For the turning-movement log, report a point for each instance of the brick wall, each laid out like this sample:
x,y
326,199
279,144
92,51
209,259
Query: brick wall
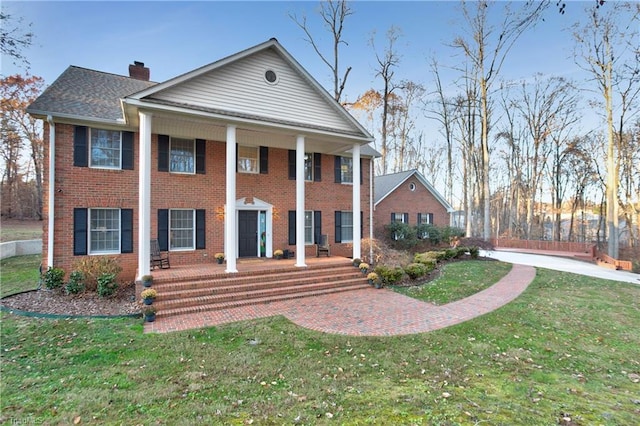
x,y
403,200
90,188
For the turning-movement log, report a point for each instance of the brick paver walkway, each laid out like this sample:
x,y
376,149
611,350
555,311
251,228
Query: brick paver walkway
x,y
367,312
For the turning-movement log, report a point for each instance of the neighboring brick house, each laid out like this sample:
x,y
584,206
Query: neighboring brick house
x,y
409,198
243,156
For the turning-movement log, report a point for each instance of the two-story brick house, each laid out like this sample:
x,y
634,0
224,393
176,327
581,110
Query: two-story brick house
x,y
244,156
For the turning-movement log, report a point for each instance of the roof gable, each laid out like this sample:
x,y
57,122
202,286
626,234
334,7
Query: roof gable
x,y
237,86
386,184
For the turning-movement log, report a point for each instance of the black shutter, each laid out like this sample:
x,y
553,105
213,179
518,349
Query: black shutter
x,y
80,147
317,225
419,219
317,166
361,224
430,218
264,160
201,155
237,150
336,169
406,218
127,151
200,229
163,153
292,227
292,164
393,217
80,231
163,229
338,220
126,231
361,172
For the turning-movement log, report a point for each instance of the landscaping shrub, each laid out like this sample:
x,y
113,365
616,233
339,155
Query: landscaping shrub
x,y
426,259
75,285
93,267
416,270
389,275
107,285
402,235
53,278
429,232
474,252
447,233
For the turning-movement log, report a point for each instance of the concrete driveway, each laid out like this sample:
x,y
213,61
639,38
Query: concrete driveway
x,y
562,264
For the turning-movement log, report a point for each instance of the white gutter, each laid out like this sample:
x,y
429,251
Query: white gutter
x,y
371,210
52,190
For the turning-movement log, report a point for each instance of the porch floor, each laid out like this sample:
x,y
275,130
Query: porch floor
x,y
244,265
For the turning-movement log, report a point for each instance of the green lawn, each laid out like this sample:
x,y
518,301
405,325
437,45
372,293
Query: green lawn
x,y
19,273
567,347
458,280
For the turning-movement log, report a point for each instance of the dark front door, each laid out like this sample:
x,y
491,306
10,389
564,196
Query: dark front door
x,y
247,233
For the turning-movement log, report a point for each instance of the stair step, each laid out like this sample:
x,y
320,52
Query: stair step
x,y
257,301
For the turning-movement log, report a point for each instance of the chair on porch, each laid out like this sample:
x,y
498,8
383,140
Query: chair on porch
x,y
158,258
323,246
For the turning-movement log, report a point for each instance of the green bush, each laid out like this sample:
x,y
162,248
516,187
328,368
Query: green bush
x,y
474,252
107,285
53,278
635,266
416,270
426,259
428,232
75,284
93,267
449,232
389,275
401,235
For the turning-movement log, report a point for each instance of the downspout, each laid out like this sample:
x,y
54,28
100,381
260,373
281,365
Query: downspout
x,y
52,190
371,210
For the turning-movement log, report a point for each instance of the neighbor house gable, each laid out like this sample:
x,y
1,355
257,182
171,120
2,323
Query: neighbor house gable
x,y
386,184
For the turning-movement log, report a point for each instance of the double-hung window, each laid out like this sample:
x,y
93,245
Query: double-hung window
x,y
308,227
346,227
346,170
104,231
399,217
308,166
182,229
182,154
106,148
248,159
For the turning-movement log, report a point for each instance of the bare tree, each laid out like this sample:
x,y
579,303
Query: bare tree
x,y
387,61
487,47
606,47
15,36
333,15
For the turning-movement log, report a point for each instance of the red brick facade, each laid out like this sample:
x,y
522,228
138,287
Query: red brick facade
x,y
86,187
405,200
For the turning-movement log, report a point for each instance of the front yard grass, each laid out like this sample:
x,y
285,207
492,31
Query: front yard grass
x,y
567,347
457,281
19,273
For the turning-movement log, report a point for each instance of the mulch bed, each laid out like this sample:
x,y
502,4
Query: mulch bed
x,y
88,304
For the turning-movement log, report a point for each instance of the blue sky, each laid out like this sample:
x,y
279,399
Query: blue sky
x,y
172,38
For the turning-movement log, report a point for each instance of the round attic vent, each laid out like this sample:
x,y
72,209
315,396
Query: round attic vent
x,y
270,76
412,186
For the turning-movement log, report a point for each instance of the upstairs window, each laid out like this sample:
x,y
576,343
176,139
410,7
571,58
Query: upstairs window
x,y
248,159
308,166
106,148
182,156
346,170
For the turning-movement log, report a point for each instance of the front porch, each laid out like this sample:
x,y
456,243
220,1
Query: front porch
x,y
259,281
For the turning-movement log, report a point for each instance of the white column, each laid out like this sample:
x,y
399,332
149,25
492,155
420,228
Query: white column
x,y
300,255
52,191
144,195
357,236
230,235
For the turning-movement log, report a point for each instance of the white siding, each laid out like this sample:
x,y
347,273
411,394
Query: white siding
x,y
240,87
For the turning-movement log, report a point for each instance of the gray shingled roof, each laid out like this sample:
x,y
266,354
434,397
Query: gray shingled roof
x,y
386,183
81,92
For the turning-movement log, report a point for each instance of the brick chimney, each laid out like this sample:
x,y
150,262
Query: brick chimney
x,y
138,71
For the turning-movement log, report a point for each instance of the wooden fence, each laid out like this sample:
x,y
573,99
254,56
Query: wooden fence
x,y
566,246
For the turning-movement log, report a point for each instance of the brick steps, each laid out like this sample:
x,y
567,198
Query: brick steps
x,y
224,291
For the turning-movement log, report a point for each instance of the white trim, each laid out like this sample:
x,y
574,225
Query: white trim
x,y
230,236
258,205
357,235
118,167
300,245
52,191
90,230
144,195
